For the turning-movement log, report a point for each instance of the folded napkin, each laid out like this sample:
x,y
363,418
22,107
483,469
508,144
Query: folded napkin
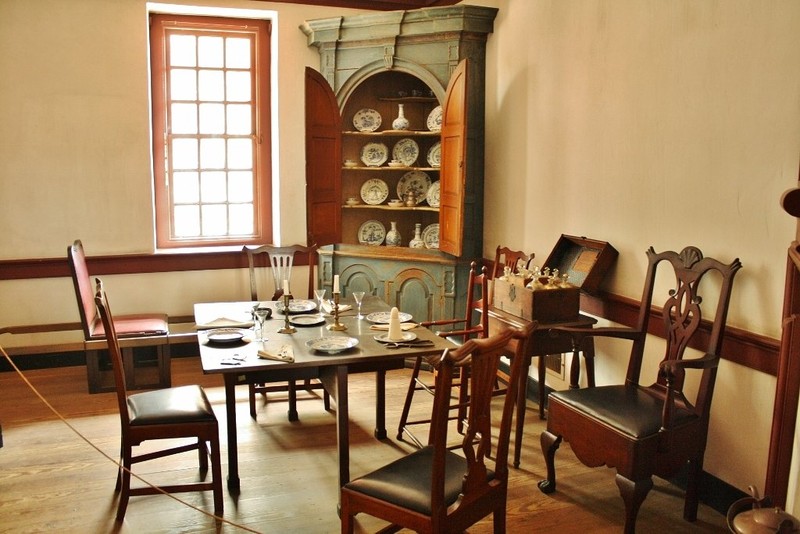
x,y
385,327
327,307
284,354
224,322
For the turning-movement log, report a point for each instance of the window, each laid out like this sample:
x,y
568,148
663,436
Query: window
x,y
211,130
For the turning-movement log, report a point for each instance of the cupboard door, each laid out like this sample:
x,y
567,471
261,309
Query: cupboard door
x,y
453,167
323,161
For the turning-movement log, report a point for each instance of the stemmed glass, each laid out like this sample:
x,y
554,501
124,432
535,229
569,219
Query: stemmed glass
x,y
319,294
358,296
262,314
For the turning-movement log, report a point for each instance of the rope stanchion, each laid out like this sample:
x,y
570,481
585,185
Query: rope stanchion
x,y
58,414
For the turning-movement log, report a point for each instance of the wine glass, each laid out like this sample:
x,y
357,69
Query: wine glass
x,y
358,296
319,294
262,314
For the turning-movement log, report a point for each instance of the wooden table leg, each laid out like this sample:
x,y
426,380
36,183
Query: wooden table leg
x,y
380,404
342,425
522,399
542,389
233,450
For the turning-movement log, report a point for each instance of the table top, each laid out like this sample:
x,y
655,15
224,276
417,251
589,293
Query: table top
x,y
518,322
219,357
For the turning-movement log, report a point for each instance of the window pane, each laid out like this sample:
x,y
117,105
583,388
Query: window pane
x,y
183,84
184,118
185,187
215,220
240,154
212,153
239,119
241,219
212,118
212,87
237,53
184,153
240,186
187,221
212,187
238,86
210,52
182,51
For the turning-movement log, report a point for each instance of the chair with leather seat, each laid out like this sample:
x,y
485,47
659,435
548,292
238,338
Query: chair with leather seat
x,y
644,430
137,330
171,413
436,488
474,324
280,261
513,259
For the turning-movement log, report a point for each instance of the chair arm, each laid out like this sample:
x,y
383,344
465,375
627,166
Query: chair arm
x,y
441,322
579,333
673,371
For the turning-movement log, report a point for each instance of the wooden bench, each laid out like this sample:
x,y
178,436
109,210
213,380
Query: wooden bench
x,y
68,337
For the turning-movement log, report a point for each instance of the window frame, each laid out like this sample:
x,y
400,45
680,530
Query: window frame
x,y
160,25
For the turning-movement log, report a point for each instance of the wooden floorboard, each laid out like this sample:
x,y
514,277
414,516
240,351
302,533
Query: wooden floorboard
x,y
51,479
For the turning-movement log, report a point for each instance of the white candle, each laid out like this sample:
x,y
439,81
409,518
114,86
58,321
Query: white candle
x,y
395,330
285,287
336,283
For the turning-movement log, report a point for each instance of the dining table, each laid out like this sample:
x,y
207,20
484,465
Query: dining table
x,y
228,347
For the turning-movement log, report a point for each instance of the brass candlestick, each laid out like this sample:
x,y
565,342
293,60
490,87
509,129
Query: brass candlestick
x,y
336,324
287,327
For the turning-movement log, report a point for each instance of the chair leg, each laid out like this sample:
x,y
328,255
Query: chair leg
x,y
216,473
693,489
633,494
202,455
252,399
326,400
412,387
293,416
499,518
125,487
550,443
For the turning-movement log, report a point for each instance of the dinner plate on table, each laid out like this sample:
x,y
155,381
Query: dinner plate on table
x,y
383,317
332,344
306,320
407,336
296,306
225,335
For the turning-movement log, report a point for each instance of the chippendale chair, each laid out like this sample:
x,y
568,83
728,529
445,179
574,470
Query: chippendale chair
x,y
457,331
436,489
513,259
171,413
645,430
280,260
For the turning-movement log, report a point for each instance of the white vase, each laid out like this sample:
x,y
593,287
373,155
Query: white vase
x,y
393,236
417,242
401,122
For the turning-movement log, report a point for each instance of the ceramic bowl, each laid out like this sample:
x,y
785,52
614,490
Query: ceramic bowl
x,y
395,203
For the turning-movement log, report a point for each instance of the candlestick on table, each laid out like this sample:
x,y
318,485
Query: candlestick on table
x,y
337,326
287,327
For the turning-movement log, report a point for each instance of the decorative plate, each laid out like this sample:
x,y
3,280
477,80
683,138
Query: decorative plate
x,y
383,317
374,154
371,233
332,344
306,320
296,306
225,335
435,119
367,120
430,236
435,154
407,336
406,151
416,181
374,191
433,194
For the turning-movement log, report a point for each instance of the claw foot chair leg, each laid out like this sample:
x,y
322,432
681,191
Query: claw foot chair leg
x,y
550,443
633,493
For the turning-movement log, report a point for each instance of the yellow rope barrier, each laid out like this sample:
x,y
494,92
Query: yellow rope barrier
x,y
112,460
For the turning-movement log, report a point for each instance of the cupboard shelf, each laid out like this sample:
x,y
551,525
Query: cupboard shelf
x,y
394,133
405,169
385,207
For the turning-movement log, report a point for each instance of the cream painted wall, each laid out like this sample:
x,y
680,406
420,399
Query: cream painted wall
x,y
637,122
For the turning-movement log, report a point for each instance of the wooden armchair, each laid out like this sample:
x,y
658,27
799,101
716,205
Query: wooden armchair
x,y
280,261
435,489
163,414
649,430
457,331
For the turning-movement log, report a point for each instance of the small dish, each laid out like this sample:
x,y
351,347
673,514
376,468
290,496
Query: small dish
x,y
374,191
374,154
306,320
383,317
395,163
396,203
296,306
430,236
350,163
367,120
332,344
407,336
225,335
434,121
372,232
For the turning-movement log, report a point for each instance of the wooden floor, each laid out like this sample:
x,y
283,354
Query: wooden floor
x,y
52,480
